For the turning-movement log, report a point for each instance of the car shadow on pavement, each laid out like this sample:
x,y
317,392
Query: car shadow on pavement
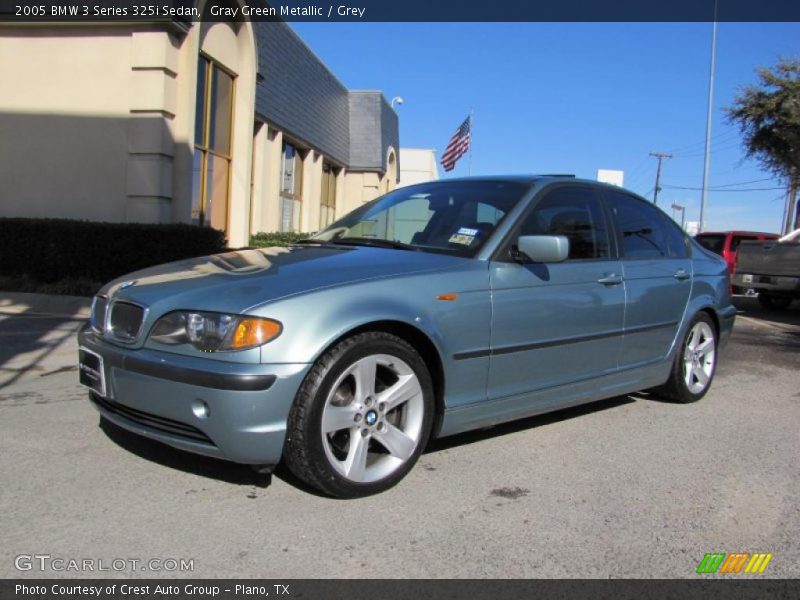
x,y
470,437
173,458
238,474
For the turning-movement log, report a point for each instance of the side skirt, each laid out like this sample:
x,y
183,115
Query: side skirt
x,y
501,410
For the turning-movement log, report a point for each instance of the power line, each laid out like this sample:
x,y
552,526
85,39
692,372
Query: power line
x,y
716,148
720,137
679,187
741,183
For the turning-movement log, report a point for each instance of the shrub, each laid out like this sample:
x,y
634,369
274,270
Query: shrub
x,y
51,251
276,238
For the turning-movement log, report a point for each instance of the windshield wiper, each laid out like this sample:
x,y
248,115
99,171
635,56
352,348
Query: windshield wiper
x,y
375,242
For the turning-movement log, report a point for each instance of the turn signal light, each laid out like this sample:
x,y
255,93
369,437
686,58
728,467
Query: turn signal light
x,y
254,332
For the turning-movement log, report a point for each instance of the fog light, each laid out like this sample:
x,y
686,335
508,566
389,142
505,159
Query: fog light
x,y
200,409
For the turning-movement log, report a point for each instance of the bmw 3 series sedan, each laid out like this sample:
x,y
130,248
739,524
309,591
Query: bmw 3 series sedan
x,y
435,309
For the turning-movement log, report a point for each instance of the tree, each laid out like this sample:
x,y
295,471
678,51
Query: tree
x,y
768,115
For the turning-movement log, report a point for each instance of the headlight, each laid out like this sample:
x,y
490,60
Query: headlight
x,y
215,332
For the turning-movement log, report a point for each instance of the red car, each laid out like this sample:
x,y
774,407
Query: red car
x,y
725,243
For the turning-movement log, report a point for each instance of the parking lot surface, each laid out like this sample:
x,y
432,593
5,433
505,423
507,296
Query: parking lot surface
x,y
628,487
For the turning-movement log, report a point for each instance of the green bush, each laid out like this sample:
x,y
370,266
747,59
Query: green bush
x,y
276,238
62,254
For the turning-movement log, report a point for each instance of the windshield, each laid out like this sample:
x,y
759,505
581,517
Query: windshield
x,y
441,216
715,243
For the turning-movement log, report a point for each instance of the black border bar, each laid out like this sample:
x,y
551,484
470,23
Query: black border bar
x,y
180,11
738,587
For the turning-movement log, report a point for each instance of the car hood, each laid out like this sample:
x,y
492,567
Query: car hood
x,y
243,279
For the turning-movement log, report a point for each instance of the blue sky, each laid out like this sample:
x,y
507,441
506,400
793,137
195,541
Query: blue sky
x,y
574,97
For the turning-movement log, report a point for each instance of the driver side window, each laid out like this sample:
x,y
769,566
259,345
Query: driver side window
x,y
575,213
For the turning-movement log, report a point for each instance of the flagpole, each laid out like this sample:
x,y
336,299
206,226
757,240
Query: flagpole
x,y
469,168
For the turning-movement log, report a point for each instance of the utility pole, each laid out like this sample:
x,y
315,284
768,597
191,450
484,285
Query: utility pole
x,y
660,156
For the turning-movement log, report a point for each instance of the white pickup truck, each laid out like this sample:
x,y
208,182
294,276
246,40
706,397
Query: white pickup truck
x,y
772,268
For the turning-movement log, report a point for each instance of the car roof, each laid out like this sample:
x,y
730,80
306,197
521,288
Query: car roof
x,y
536,177
737,232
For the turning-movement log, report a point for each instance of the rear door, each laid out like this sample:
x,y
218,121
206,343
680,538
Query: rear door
x,y
658,277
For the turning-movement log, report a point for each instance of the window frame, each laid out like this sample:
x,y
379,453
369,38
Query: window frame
x,y
328,202
296,196
687,251
203,146
503,252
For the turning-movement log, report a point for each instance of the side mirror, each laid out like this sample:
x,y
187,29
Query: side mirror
x,y
542,248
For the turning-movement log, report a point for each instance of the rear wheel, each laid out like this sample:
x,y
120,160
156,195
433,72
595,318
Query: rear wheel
x,y
695,362
773,302
362,416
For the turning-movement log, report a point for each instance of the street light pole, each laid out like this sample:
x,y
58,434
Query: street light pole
x,y
709,113
682,209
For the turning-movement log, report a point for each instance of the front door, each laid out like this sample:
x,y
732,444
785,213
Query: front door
x,y
554,324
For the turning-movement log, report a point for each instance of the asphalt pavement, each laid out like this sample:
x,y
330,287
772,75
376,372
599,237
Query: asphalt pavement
x,y
628,487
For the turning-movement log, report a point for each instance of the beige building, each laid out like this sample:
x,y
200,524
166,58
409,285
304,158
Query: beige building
x,y
235,125
418,165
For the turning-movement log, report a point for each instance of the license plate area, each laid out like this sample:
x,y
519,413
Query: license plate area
x,y
91,372
747,278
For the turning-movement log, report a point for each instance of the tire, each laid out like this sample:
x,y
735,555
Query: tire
x,y
695,362
373,388
773,302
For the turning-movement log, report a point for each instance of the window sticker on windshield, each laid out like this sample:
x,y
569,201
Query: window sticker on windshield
x,y
467,231
460,238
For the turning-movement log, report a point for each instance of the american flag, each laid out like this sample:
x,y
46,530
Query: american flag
x,y
458,145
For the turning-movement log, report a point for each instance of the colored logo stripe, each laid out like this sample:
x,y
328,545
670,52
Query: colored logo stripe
x,y
758,563
734,563
711,562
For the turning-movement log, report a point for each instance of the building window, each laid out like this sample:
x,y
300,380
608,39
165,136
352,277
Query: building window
x,y
327,211
212,135
291,188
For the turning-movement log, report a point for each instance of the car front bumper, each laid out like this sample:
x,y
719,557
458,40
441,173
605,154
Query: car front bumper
x,y
232,411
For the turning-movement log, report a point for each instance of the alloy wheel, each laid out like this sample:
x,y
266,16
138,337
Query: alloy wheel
x,y
699,357
372,419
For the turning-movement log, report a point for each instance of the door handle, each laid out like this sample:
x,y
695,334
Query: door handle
x,y
681,275
610,279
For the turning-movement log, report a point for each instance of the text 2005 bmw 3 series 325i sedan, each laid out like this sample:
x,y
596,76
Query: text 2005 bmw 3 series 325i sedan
x,y
435,309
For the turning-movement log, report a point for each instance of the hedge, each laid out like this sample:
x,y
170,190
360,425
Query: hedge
x,y
276,238
58,250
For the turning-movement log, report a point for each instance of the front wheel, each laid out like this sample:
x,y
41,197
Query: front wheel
x,y
695,362
362,416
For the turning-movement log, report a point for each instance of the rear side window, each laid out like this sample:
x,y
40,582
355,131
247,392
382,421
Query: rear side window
x,y
714,243
645,232
739,239
576,213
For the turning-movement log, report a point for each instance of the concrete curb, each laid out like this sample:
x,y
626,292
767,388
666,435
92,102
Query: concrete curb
x,y
50,305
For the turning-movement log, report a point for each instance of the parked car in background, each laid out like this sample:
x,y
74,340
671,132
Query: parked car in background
x,y
772,268
726,244
435,309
